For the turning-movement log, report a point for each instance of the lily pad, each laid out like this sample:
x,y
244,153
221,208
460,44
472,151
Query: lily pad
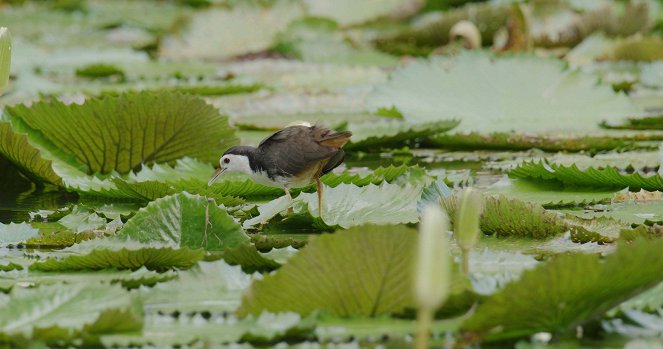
x,y
449,88
377,281
106,254
209,286
348,12
15,234
392,133
184,220
67,312
348,205
232,31
122,133
608,177
26,157
586,285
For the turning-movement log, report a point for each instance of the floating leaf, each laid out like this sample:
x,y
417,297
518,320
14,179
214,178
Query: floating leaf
x,y
166,331
16,234
505,217
80,220
67,312
376,281
448,88
26,157
516,141
122,133
249,258
105,254
184,220
348,205
392,133
608,177
339,330
348,12
567,292
550,194
209,286
127,278
221,33
315,39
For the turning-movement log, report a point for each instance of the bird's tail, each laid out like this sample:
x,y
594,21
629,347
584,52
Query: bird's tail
x,y
336,139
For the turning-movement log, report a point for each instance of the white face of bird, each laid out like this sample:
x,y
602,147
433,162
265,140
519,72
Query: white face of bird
x,y
231,163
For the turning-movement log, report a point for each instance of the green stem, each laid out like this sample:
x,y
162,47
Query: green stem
x,y
466,261
424,321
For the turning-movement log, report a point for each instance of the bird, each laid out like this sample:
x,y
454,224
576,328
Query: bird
x,y
292,157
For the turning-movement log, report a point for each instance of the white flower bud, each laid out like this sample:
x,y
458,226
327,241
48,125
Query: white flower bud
x,y
433,265
466,224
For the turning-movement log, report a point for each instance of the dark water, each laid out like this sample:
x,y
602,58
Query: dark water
x,y
19,196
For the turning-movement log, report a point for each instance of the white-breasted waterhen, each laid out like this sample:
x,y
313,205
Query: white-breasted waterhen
x,y
293,157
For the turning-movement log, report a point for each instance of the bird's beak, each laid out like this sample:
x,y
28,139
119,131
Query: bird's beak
x,y
216,175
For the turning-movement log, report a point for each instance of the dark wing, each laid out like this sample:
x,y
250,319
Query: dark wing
x,y
296,148
334,162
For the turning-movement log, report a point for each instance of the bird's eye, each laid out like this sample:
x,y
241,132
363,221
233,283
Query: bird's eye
x,y
226,160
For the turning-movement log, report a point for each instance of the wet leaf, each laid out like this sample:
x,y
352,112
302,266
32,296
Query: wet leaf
x,y
392,133
567,292
608,177
376,281
218,33
184,220
348,205
448,88
16,234
122,133
25,156
67,312
105,254
209,286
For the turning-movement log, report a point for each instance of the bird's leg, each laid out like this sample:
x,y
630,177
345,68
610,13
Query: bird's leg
x,y
287,194
318,183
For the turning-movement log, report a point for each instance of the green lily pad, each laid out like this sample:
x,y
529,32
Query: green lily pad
x,y
392,133
376,281
122,133
449,88
209,286
314,39
608,177
560,295
550,194
15,234
101,254
232,32
348,12
348,205
184,220
26,157
66,312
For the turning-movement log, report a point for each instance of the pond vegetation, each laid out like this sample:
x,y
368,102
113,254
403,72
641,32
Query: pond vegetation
x,y
502,186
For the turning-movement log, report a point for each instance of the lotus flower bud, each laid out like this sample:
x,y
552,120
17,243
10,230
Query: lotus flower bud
x,y
433,265
5,58
466,224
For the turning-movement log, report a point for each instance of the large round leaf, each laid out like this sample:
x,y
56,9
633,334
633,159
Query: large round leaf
x,y
376,280
27,159
184,220
499,94
122,133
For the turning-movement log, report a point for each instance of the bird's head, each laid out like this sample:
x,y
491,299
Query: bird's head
x,y
235,159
